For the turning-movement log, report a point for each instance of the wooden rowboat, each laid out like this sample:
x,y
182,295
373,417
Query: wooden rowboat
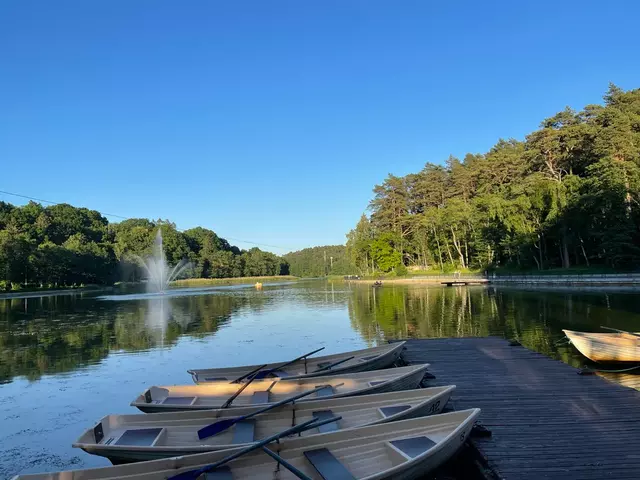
x,y
375,358
260,392
606,347
130,438
407,449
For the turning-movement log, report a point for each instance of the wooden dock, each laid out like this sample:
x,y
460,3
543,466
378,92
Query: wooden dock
x,y
462,282
546,421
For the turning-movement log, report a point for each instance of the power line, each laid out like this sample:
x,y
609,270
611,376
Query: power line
x,y
58,203
127,218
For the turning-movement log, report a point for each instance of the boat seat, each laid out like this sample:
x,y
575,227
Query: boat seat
x,y
326,415
281,374
260,397
328,466
412,447
243,432
143,437
178,400
393,410
325,392
220,473
378,382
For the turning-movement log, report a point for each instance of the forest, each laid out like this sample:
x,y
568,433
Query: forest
x,y
566,196
319,261
61,245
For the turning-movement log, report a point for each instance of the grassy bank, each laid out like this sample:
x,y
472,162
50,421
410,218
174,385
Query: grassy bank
x,y
202,282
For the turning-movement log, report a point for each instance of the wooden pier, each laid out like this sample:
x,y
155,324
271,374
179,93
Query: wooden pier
x,y
462,282
546,421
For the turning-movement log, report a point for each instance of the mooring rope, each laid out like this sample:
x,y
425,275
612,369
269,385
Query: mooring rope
x,y
611,371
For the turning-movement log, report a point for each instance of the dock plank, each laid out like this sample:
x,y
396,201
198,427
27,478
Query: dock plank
x,y
546,420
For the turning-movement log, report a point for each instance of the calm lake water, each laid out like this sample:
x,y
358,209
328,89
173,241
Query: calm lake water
x,y
66,361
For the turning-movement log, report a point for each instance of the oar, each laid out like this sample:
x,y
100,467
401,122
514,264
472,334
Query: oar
x,y
252,372
313,423
286,464
222,425
330,366
620,331
271,370
244,385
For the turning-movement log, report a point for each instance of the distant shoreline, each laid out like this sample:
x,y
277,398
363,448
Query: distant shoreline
x,y
51,292
611,279
196,282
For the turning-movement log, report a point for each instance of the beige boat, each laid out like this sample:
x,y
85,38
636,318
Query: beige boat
x,y
407,449
130,438
355,361
260,392
606,347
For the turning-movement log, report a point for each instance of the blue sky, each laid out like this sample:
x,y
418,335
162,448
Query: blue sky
x,y
271,121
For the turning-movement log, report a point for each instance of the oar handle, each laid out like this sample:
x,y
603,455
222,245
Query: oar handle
x,y
222,425
313,423
334,364
254,372
285,464
274,369
244,385
285,401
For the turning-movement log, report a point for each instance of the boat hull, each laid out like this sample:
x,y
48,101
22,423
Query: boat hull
x,y
606,347
364,383
383,357
182,427
375,452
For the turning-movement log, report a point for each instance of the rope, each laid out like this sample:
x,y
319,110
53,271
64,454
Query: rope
x,y
612,371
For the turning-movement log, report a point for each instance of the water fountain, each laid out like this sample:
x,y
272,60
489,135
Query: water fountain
x,y
160,274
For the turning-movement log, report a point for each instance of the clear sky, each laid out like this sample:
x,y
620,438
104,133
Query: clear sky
x,y
271,121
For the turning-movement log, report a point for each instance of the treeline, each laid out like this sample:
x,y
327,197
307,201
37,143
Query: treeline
x,y
318,261
62,245
568,195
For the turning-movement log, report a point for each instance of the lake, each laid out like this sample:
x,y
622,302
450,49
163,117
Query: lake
x,y
68,360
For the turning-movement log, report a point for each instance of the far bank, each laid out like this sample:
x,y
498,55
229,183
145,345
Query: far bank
x,y
200,282
573,279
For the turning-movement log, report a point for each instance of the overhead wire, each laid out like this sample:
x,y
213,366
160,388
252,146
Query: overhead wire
x,y
50,202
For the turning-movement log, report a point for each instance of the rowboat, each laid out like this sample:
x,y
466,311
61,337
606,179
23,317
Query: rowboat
x,y
355,361
260,392
407,449
606,347
130,438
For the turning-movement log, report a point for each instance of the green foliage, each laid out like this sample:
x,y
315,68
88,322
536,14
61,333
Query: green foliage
x,y
63,245
569,195
319,261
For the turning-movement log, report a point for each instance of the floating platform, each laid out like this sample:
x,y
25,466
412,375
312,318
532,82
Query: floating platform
x,y
462,282
546,421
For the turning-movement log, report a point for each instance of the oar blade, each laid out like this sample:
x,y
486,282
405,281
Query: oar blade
x,y
215,428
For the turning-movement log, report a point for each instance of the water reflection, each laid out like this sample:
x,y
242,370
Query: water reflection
x,y
58,334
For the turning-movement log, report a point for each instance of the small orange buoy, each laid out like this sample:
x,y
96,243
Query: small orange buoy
x,y
258,286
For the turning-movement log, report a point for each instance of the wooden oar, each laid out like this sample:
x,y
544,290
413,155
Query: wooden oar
x,y
252,372
285,464
313,423
244,385
620,331
330,366
222,425
264,373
